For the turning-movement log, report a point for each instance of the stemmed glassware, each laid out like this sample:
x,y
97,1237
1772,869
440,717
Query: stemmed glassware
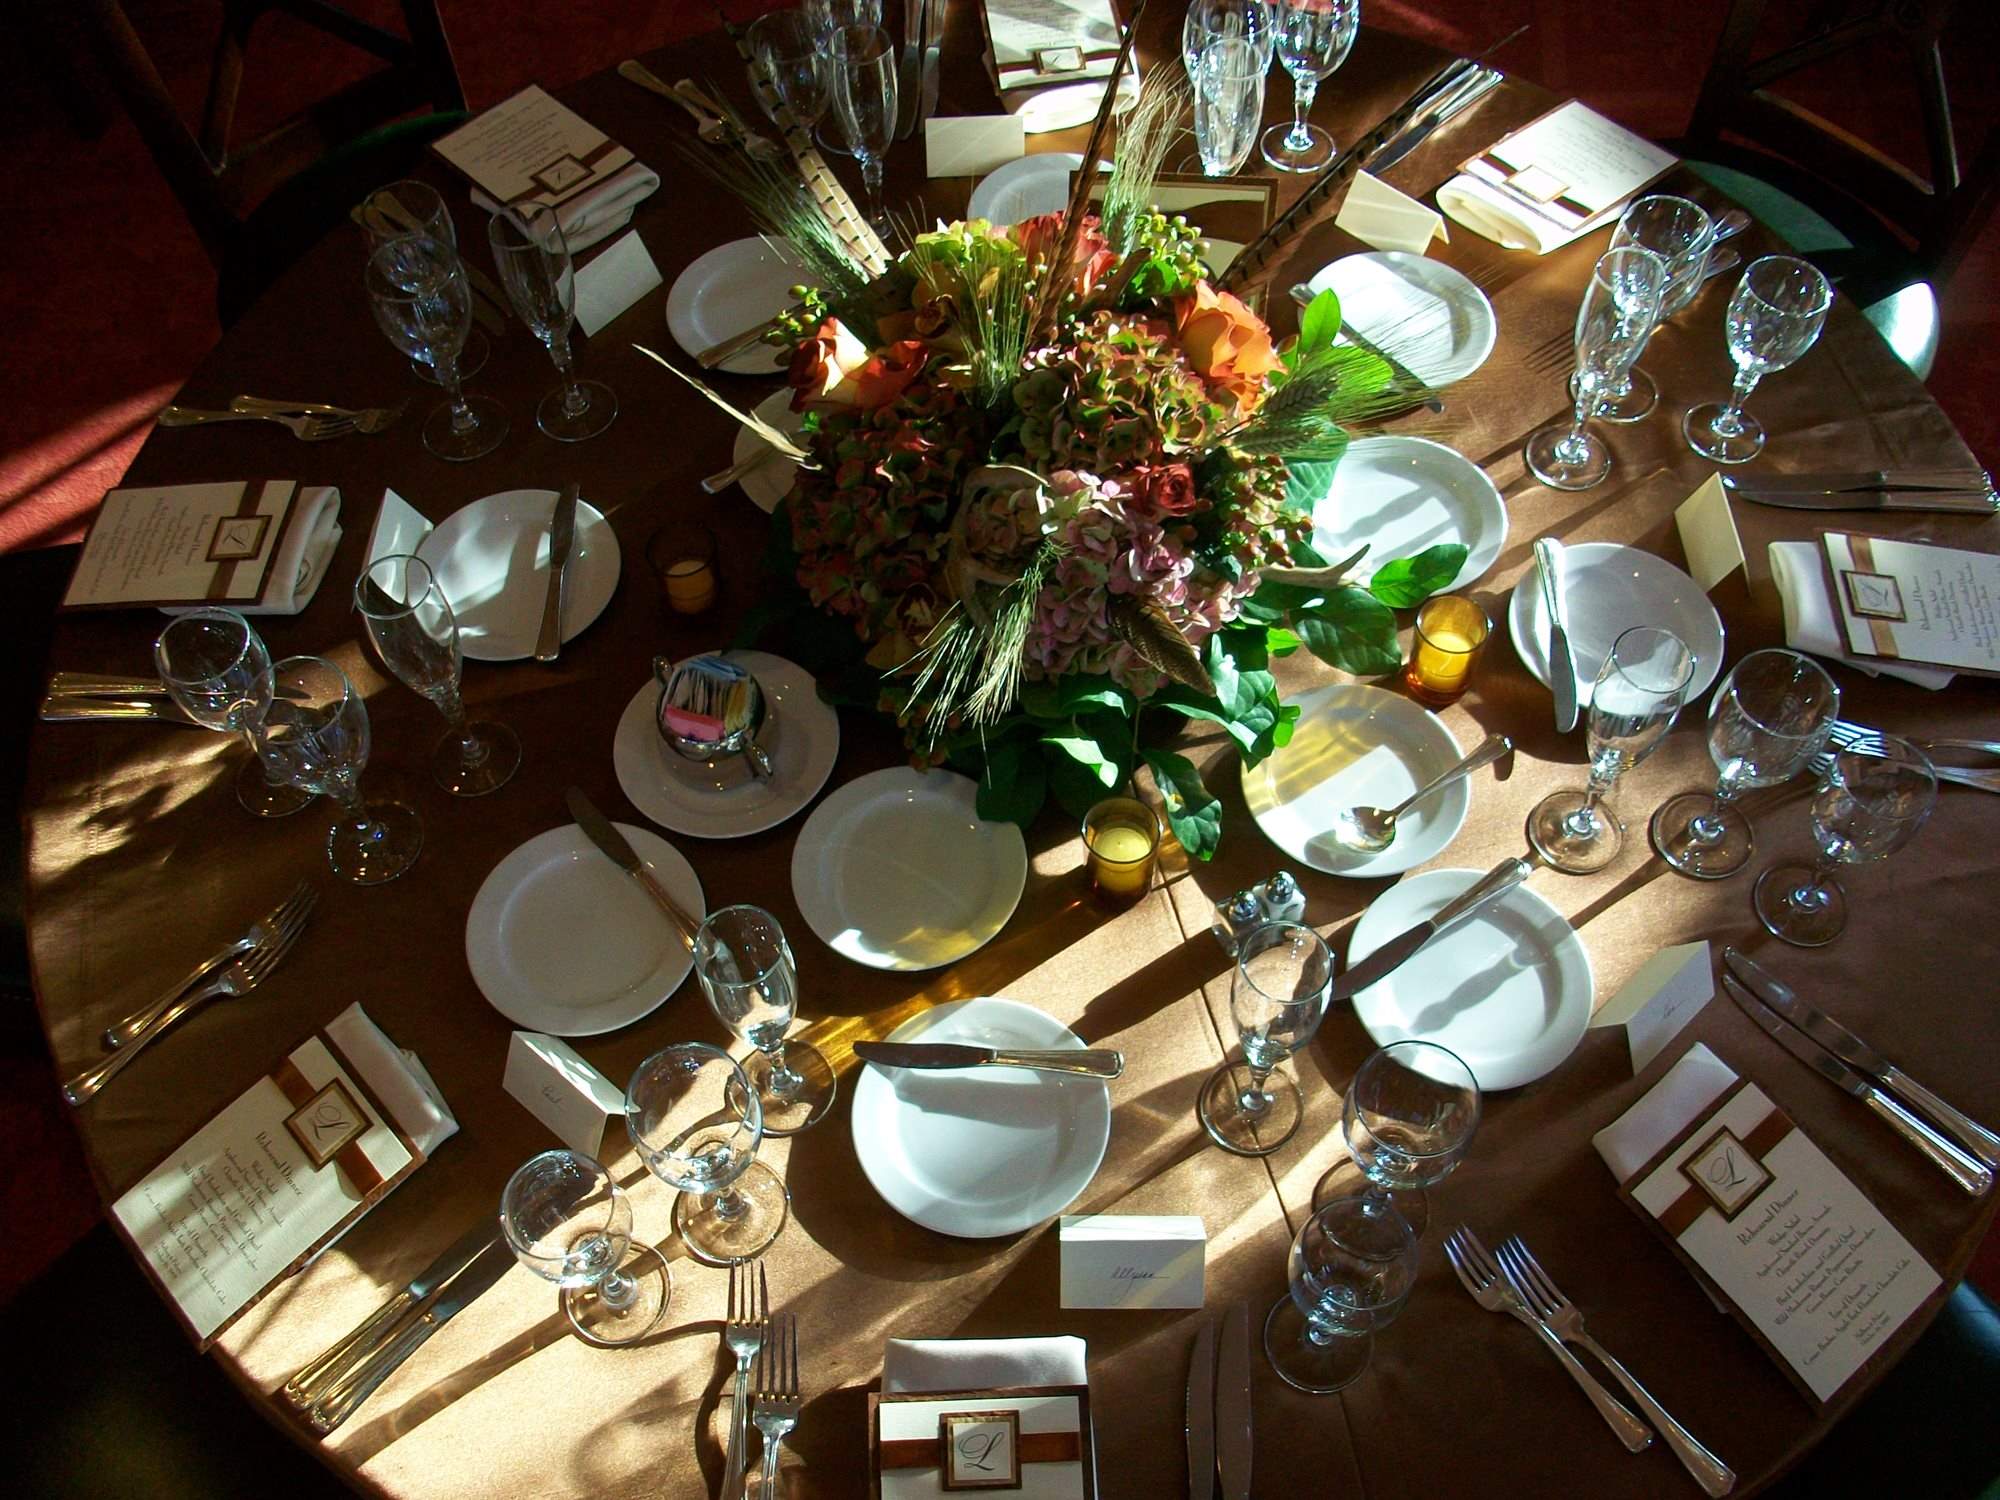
x,y
1408,1120
532,256
422,302
1312,39
863,84
567,1220
1277,998
789,45
1350,1271
1613,322
827,17
217,668
412,207
1682,234
1879,795
411,623
1228,102
746,970
1639,689
696,1122
318,731
1767,719
1253,21
1774,316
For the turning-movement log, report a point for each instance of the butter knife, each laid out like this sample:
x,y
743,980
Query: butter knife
x,y
1393,954
1562,667
1090,1063
1201,1413
1232,1403
603,833
562,533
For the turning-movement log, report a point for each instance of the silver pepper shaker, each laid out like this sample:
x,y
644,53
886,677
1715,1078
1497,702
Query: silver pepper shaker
x,y
1236,916
1281,900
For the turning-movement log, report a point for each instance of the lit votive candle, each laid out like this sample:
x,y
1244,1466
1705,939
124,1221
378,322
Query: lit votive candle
x,y
1451,632
1122,837
684,560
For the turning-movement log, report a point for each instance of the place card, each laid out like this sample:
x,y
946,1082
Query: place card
x,y
1032,1441
1379,215
561,1090
1132,1260
1911,601
1815,1272
614,279
1031,43
1708,534
972,145
1656,1003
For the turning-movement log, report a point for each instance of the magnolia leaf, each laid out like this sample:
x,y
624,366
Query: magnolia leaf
x,y
1308,482
1075,789
1194,815
1354,631
1319,322
1013,786
1087,753
1408,581
1281,642
1239,691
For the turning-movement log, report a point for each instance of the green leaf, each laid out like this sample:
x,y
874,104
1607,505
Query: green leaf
x,y
1308,482
1279,641
1074,787
1014,784
1194,815
1319,322
1354,631
1408,581
1239,690
1086,752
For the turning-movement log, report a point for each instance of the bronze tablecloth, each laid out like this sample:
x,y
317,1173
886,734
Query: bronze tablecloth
x,y
141,861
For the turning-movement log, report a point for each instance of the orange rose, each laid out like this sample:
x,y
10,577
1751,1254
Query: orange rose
x,y
1226,344
885,376
825,368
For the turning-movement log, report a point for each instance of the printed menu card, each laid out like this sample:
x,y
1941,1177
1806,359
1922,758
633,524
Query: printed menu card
x,y
1911,601
1807,1263
1036,42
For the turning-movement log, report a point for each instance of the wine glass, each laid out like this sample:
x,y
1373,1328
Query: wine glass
x,y
1878,797
532,256
1769,717
1408,1120
746,970
1253,21
1350,1270
1681,233
412,207
826,17
1639,689
1613,322
1312,38
863,85
567,1220
422,302
1774,316
217,668
411,623
1228,102
789,46
696,1122
1277,998
318,731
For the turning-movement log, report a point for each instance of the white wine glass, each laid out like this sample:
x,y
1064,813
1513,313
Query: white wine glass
x,y
791,48
567,1220
1681,233
412,207
217,668
423,305
1312,38
1613,322
532,255
746,970
1277,998
1350,1273
863,83
826,17
1774,317
1408,1119
696,1122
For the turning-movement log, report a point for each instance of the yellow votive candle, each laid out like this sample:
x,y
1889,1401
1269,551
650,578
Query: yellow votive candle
x,y
690,585
1451,632
1121,836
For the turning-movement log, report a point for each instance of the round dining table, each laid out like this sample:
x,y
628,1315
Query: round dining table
x,y
141,862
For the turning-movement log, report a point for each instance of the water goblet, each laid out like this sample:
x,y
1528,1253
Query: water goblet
x,y
412,207
1228,102
1350,1272
1253,21
1767,719
318,731
1681,233
696,1122
1312,38
411,623
532,256
567,1220
1774,317
864,101
217,668
1613,322
746,969
423,304
1879,795
826,17
1408,1120
790,47
1277,998
1639,689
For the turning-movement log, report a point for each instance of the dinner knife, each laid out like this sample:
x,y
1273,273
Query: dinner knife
x,y
1562,667
562,534
1393,954
1232,1403
1475,87
606,836
60,708
933,43
1967,1171
907,63
1201,1414
1849,481
1968,501
1850,1049
1089,1063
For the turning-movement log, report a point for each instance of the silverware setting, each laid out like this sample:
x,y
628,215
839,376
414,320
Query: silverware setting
x,y
1562,667
745,1332
367,419
73,708
305,426
712,124
562,537
1370,830
1087,1063
619,851
775,1407
262,933
1858,739
1219,1428
1458,98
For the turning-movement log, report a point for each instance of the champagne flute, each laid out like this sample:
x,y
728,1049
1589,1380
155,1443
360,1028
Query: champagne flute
x,y
422,303
218,669
1228,103
1613,322
1253,21
1774,317
1767,719
567,1220
1312,39
696,1122
1639,689
532,256
746,970
1350,1273
1880,793
864,101
412,207
1408,1120
1277,998
411,623
1681,233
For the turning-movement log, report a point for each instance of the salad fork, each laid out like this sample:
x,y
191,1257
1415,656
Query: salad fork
x,y
264,931
368,419
776,1409
305,426
745,1333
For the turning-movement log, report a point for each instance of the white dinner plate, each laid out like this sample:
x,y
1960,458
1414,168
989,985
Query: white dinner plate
x,y
1607,590
1436,323
1074,104
980,1152
1030,185
562,941
801,733
896,870
1357,746
727,290
771,480
1403,494
491,558
1509,989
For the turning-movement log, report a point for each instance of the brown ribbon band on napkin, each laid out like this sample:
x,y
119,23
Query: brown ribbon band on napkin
x,y
1034,1448
1862,550
225,570
350,1158
537,189
1760,1142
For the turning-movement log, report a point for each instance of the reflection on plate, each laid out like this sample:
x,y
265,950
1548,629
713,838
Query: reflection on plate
x,y
1509,989
1074,104
897,871
1357,746
980,1152
731,288
562,941
1436,322
801,733
771,480
1037,184
1607,590
491,558
1403,494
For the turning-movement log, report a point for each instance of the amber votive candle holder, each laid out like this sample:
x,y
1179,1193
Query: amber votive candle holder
x,y
683,558
1451,632
1122,838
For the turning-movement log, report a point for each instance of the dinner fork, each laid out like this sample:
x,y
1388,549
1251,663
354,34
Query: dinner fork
x,y
1532,1284
239,978
304,426
776,1409
744,1333
1481,1278
368,419
1865,741
265,930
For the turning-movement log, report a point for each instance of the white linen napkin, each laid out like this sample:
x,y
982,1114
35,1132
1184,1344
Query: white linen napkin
x,y
1813,625
396,1078
299,564
917,1365
1485,210
1663,1111
600,212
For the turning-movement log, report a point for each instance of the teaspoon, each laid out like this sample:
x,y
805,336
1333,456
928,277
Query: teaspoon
x,y
1370,830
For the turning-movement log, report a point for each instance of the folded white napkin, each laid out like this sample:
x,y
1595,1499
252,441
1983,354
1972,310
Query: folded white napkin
x,y
1663,1111
1485,210
300,561
1812,624
601,211
916,1365
396,1078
